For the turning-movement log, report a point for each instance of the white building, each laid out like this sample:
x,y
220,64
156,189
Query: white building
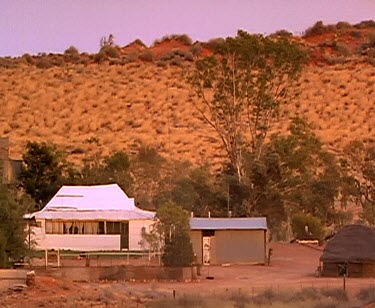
x,y
90,218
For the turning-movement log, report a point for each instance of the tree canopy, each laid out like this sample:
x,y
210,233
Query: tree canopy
x,y
12,227
241,88
43,168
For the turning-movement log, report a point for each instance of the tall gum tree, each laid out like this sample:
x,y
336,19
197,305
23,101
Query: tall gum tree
x,y
240,89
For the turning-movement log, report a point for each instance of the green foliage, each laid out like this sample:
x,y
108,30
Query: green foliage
x,y
173,226
28,58
319,28
71,51
138,42
44,62
147,56
362,161
107,52
111,169
149,174
241,88
178,250
12,228
282,33
43,170
306,227
371,39
182,38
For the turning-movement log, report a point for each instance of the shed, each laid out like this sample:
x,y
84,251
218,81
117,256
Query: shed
x,y
229,240
351,251
90,218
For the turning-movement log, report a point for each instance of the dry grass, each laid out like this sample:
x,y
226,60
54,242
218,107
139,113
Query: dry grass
x,y
123,105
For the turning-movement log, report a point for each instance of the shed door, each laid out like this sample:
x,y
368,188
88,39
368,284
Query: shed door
x,y
124,235
206,250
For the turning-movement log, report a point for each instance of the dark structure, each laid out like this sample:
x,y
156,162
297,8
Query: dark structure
x,y
9,168
229,240
350,252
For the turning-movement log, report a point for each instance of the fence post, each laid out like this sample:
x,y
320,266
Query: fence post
x,y
58,257
344,282
46,258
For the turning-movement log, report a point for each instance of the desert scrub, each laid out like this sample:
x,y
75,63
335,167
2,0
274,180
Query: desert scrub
x,y
147,56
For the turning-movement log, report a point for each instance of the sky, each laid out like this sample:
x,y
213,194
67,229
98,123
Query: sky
x,y
33,26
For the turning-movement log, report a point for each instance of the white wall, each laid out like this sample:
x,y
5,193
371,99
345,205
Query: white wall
x,y
78,242
135,228
89,242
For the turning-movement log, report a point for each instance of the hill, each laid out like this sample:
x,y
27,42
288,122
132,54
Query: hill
x,y
126,96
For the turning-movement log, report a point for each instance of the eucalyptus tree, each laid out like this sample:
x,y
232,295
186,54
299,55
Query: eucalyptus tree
x,y
241,88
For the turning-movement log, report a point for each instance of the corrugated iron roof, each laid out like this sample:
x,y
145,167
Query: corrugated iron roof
x,y
253,223
108,202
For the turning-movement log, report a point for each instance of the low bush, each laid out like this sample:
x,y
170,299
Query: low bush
x,y
44,63
365,24
147,56
28,58
196,49
106,52
307,227
282,33
335,293
71,51
182,38
319,28
367,295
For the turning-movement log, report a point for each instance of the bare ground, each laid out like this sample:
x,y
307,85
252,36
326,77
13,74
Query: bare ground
x,y
292,267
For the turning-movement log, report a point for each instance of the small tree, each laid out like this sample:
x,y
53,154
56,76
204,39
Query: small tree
x,y
42,172
173,228
12,228
306,227
241,88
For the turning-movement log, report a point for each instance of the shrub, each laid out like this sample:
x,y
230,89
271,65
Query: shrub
x,y
147,56
342,49
196,49
182,38
307,227
319,28
71,51
336,293
173,226
371,39
29,59
44,62
365,24
343,25
356,34
282,33
7,63
107,51
131,57
138,42
178,250
367,295
215,43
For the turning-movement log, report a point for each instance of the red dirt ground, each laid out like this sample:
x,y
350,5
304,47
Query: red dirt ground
x,y
292,267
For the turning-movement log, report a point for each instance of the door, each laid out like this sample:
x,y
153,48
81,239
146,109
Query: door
x,y
206,250
124,235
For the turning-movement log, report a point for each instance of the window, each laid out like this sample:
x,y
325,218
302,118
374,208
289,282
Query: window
x,y
208,232
101,228
113,227
74,227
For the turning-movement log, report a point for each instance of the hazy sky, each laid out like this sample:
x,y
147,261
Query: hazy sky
x,y
32,26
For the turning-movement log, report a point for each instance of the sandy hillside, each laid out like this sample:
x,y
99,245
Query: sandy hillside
x,y
102,108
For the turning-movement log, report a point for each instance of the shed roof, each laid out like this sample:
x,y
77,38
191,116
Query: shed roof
x,y
91,202
254,223
353,243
